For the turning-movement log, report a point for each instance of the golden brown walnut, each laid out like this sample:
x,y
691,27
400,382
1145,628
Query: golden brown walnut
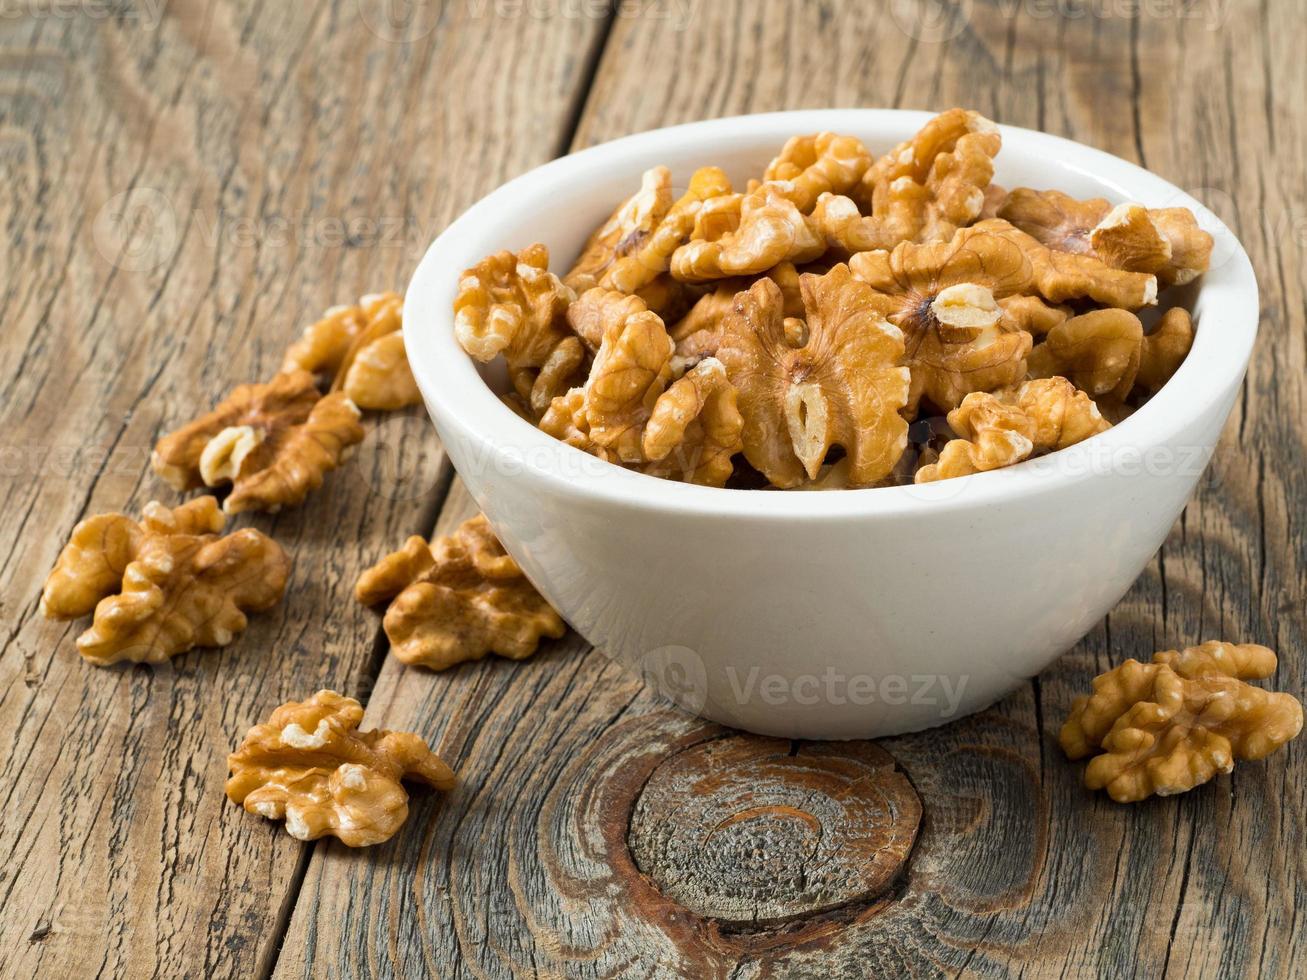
x,y
1165,242
770,230
819,164
163,585
1062,276
597,311
1106,352
844,386
380,379
1170,725
322,346
1032,314
359,350
626,230
1164,350
565,367
374,373
698,334
921,191
947,299
512,305
310,766
272,442
997,430
630,371
458,599
708,312
695,428
640,259
565,420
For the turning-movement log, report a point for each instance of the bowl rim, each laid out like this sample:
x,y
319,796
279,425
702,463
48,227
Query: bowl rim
x,y
459,399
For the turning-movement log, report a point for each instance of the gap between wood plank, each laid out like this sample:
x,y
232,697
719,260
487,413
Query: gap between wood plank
x,y
430,515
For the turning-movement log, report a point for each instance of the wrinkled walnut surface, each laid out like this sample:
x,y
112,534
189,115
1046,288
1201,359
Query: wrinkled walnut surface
x,y
272,442
767,230
512,305
374,372
1170,725
841,384
824,163
945,297
991,291
695,428
359,349
921,191
1106,353
1000,429
458,599
627,229
310,766
165,584
1165,242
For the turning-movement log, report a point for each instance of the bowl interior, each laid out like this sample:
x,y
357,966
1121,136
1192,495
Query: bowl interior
x,y
561,202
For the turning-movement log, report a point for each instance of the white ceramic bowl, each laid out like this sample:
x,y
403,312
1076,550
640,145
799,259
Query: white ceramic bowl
x,y
824,615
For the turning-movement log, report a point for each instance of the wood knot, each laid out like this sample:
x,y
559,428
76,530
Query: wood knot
x,y
747,830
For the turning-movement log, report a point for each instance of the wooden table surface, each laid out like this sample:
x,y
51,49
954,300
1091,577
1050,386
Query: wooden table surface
x,y
187,182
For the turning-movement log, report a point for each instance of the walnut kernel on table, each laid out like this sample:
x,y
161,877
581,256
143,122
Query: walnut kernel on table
x,y
165,584
458,599
359,349
310,766
272,442
1170,725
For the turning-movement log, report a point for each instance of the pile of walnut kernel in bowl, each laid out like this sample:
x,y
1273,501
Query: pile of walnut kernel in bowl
x,y
843,322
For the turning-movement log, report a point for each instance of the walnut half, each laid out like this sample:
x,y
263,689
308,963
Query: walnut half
x,y
272,442
1170,725
833,378
310,766
458,599
1000,429
164,585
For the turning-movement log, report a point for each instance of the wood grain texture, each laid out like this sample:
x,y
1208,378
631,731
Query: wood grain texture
x,y
120,854
1018,869
184,187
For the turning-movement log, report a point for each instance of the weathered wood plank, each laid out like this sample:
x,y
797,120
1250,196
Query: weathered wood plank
x,y
1017,869
184,187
